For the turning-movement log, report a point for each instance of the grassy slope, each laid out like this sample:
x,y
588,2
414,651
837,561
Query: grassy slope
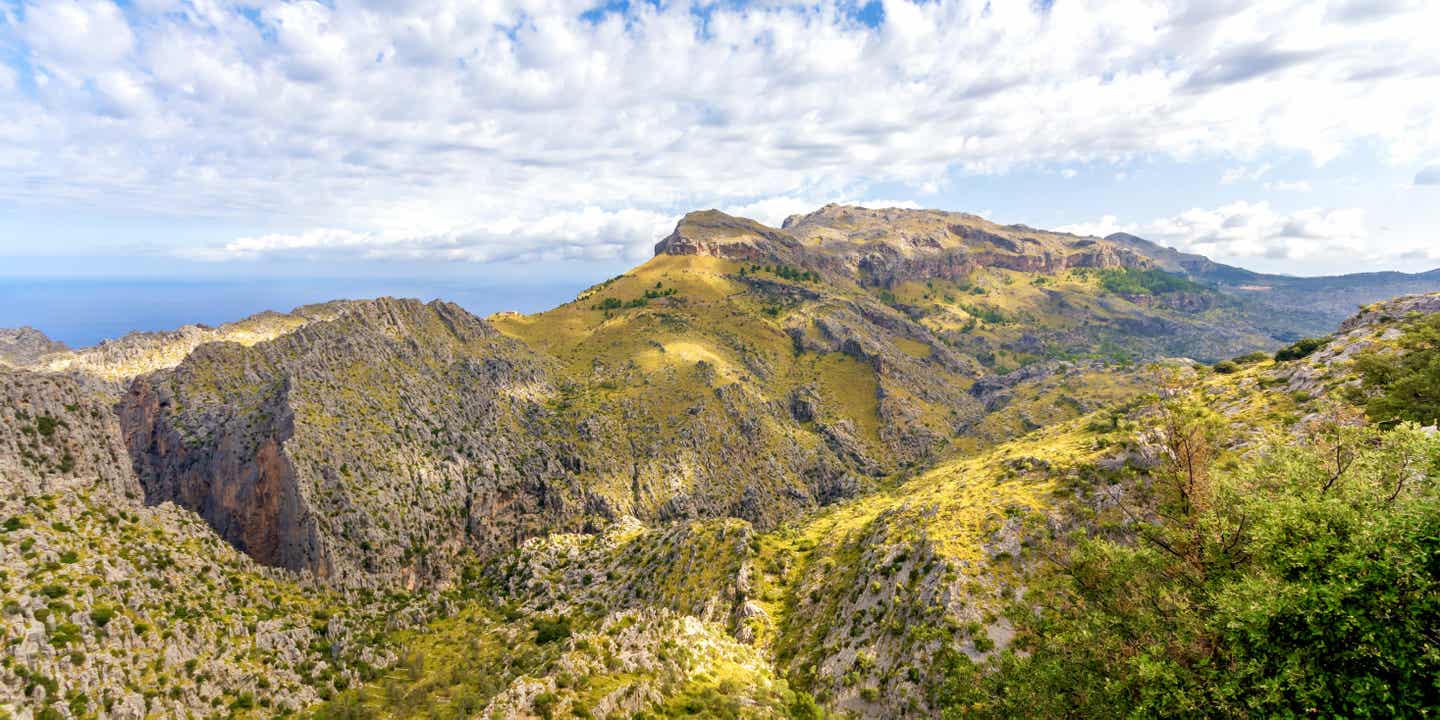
x,y
858,602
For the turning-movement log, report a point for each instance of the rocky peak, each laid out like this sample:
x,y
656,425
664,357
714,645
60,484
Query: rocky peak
x,y
885,246
1397,308
111,364
714,233
25,345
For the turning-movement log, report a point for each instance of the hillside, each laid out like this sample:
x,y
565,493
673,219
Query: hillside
x,y
1287,307
911,600
846,465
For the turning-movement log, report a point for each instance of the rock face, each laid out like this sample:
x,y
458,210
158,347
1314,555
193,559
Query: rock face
x,y
890,246
57,435
375,445
711,232
244,485
26,345
104,597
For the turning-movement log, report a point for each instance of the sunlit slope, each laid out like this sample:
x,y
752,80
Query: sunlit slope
x,y
793,366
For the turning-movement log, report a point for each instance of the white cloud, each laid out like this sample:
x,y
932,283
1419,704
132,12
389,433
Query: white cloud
x,y
588,234
1244,174
1289,186
1252,230
1428,175
77,36
773,210
409,120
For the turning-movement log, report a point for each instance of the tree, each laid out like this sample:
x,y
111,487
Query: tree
x,y
1404,385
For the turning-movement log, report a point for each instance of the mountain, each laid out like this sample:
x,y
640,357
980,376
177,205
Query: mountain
x,y
112,363
1287,307
769,470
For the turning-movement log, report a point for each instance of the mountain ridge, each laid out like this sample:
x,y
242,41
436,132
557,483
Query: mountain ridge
x,y
831,457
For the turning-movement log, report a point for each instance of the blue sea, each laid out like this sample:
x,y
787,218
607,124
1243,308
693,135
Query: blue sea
x,y
84,311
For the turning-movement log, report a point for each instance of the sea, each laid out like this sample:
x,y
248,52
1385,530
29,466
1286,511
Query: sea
x,y
81,311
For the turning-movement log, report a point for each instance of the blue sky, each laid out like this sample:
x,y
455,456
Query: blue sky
x,y
556,140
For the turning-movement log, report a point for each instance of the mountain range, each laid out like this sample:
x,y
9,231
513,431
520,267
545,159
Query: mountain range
x,y
769,472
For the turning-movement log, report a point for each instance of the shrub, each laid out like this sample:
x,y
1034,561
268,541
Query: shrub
x,y
1300,349
1225,367
1130,281
46,425
64,634
1405,385
545,704
102,615
245,701
548,630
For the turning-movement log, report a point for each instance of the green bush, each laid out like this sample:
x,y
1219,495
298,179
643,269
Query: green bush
x,y
64,633
1131,281
46,425
1287,592
101,615
548,630
1225,367
1404,385
1300,349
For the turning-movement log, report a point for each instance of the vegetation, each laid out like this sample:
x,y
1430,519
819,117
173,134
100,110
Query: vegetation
x,y
1302,579
1300,349
1150,281
784,271
1404,386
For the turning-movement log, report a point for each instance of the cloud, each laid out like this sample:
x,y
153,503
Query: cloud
x,y
77,36
413,124
1251,230
589,234
774,210
1289,186
1243,174
1428,175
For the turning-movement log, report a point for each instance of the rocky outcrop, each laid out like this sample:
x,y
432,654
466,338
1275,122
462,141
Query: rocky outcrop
x,y
370,448
56,436
711,232
243,484
109,365
25,345
885,247
1396,309
105,598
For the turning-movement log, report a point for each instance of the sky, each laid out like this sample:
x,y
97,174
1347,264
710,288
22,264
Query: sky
x,y
557,140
